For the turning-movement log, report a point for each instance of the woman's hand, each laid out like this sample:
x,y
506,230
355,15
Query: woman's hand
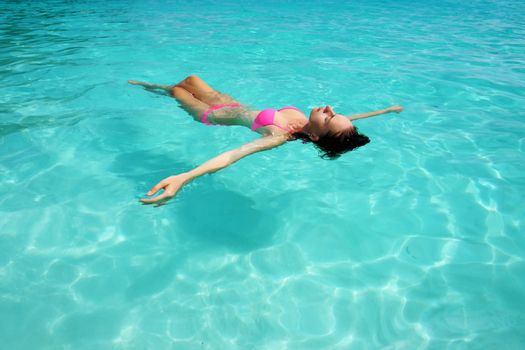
x,y
171,186
396,109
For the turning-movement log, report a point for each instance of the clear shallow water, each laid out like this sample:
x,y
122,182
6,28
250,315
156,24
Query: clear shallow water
x,y
412,242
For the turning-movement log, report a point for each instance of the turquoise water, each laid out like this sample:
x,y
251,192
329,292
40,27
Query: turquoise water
x,y
415,241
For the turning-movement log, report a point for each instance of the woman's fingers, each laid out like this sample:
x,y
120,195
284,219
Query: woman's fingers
x,y
171,186
396,109
169,192
156,188
159,199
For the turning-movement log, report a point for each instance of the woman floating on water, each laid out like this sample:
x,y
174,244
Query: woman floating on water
x,y
332,133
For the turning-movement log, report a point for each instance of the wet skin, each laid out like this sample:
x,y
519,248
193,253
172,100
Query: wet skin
x,y
323,121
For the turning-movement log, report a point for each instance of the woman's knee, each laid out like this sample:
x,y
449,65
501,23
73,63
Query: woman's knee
x,y
192,79
178,92
189,81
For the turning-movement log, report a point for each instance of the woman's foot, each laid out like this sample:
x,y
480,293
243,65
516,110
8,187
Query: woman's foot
x,y
162,89
134,82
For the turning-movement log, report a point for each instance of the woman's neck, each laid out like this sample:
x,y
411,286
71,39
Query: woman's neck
x,y
306,128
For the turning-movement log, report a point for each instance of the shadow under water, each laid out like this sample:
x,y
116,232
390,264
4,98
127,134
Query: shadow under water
x,y
218,216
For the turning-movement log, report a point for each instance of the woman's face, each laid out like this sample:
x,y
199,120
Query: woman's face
x,y
323,120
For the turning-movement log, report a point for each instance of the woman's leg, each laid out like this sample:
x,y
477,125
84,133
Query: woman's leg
x,y
202,91
196,97
189,103
187,100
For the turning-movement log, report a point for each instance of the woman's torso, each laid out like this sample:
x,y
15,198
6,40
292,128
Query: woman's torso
x,y
265,122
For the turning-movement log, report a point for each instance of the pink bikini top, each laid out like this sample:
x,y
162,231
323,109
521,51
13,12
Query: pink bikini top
x,y
266,117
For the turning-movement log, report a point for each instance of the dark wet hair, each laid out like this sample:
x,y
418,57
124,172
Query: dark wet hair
x,y
331,146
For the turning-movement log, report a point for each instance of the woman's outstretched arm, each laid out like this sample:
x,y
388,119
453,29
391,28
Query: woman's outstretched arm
x,y
396,109
173,184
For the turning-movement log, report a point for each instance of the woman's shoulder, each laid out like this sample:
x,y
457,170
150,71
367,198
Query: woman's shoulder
x,y
274,133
